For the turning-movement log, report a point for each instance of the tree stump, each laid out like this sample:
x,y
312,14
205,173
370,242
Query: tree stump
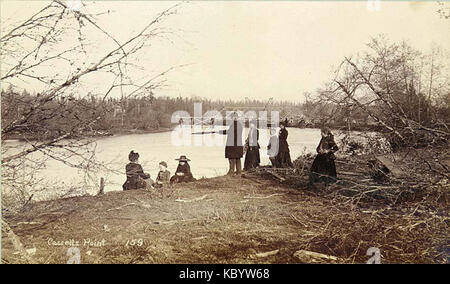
x,y
102,186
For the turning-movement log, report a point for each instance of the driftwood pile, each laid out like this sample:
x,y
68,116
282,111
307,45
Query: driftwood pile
x,y
383,179
406,194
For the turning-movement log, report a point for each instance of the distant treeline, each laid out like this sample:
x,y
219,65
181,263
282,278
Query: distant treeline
x,y
62,114
50,119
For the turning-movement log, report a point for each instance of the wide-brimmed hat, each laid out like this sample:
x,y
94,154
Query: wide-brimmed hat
x,y
163,163
183,159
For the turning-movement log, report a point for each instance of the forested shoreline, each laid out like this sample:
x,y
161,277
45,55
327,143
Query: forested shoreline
x,y
149,114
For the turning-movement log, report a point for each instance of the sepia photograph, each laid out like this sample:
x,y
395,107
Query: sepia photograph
x,y
225,133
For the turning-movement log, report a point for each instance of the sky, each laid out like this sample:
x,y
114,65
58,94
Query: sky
x,y
259,49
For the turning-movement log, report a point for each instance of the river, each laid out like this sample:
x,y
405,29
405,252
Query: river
x,y
206,160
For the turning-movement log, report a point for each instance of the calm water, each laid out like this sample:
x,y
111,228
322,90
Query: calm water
x,y
206,160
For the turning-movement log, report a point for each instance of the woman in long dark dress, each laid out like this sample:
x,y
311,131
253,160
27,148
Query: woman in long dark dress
x,y
136,178
284,156
234,149
323,168
252,158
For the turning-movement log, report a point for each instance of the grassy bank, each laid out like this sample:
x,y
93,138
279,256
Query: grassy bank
x,y
225,220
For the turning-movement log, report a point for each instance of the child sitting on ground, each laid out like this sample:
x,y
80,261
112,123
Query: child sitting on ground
x,y
183,173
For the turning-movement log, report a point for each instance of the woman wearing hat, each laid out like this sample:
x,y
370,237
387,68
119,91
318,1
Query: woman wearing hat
x,y
183,172
323,168
234,149
136,178
284,156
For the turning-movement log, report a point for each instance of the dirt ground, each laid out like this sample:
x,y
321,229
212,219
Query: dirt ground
x,y
219,220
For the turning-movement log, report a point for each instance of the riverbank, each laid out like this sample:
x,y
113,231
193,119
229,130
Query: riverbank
x,y
121,132
228,220
97,134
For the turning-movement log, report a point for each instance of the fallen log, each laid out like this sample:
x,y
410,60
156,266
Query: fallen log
x,y
351,173
262,197
393,169
305,256
120,207
269,253
191,200
277,176
29,223
171,222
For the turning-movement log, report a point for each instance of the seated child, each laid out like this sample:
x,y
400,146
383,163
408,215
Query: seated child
x,y
163,178
136,178
183,173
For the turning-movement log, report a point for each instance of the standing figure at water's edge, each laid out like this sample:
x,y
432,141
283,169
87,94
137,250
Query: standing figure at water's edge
x,y
273,148
284,156
234,149
252,158
323,168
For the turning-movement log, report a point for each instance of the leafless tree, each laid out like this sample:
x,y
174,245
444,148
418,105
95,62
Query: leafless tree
x,y
444,10
398,87
54,50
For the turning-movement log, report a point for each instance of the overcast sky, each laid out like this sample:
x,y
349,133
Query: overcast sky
x,y
261,49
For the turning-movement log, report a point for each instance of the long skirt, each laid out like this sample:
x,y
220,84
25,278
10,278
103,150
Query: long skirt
x,y
274,162
181,179
138,183
323,169
284,159
234,152
252,158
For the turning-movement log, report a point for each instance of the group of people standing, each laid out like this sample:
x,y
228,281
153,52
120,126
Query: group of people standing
x,y
278,148
323,168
